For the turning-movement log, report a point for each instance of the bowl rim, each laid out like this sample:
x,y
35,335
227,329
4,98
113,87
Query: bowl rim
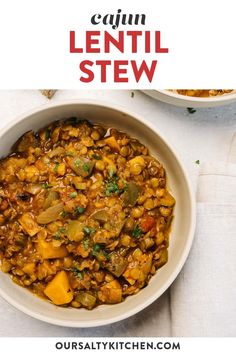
x,y
132,311
221,98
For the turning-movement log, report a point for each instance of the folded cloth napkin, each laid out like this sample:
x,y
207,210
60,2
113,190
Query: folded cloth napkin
x,y
203,298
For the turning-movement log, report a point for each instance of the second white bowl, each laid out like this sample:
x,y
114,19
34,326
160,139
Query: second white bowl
x,y
176,99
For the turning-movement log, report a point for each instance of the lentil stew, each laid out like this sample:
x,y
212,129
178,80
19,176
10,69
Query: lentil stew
x,y
85,214
203,93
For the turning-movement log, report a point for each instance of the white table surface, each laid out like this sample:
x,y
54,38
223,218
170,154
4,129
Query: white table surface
x,y
204,135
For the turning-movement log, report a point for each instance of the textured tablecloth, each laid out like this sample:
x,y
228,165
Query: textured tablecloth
x,y
202,301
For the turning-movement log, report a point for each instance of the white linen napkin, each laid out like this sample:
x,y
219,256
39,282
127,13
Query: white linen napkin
x,y
203,298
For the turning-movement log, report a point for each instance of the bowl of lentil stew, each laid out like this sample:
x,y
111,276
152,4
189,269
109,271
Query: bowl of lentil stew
x,y
89,214
194,98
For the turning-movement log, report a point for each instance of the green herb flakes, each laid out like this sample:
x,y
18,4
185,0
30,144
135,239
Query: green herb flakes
x,y
111,188
64,214
96,249
47,134
73,195
86,167
106,255
88,230
137,232
55,170
96,157
191,110
46,185
85,243
79,210
59,232
112,173
57,237
111,185
77,273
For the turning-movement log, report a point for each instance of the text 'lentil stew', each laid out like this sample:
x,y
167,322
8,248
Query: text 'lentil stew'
x,y
85,214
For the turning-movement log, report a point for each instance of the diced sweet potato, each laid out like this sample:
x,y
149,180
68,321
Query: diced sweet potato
x,y
137,160
111,141
48,251
59,290
168,200
29,225
111,293
29,268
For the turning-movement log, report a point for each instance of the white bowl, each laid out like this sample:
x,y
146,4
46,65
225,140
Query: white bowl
x,y
176,99
182,230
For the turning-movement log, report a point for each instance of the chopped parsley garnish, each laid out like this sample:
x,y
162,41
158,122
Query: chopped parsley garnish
x,y
106,255
86,167
85,243
77,273
56,167
88,230
97,248
137,232
197,162
79,210
73,195
111,187
191,110
63,214
96,157
112,173
59,232
47,134
57,237
46,185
